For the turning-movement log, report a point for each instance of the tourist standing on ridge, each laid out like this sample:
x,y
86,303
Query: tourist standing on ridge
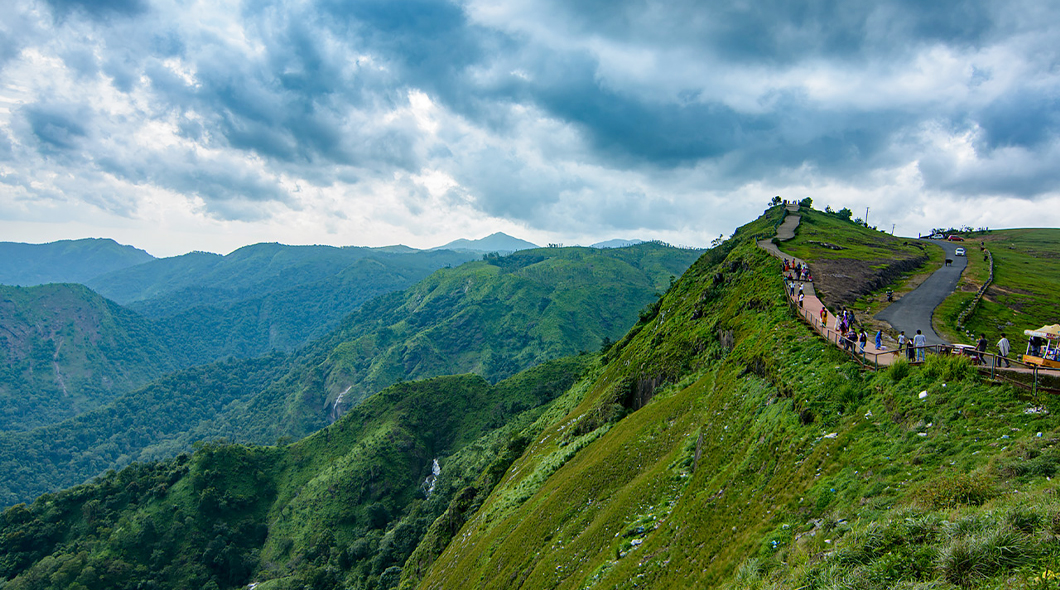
x,y
919,341
1003,347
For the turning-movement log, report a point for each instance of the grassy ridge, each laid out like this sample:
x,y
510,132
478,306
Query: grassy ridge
x,y
710,483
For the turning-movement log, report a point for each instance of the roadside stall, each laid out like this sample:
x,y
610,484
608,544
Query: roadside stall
x,y
1043,347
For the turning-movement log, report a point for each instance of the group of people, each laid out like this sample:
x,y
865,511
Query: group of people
x,y
913,347
796,271
1003,348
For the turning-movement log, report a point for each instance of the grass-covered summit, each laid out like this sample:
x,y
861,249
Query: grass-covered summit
x,y
719,444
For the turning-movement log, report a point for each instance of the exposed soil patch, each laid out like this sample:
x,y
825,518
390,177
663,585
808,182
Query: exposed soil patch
x,y
842,282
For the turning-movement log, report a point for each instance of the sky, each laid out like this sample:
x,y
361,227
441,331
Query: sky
x,y
179,125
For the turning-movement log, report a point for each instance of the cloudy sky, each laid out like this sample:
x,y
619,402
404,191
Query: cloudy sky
x,y
179,125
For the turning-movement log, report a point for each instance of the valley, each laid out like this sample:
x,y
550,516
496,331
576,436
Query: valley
x,y
715,441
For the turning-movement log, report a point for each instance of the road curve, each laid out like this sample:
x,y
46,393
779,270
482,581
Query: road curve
x,y
913,311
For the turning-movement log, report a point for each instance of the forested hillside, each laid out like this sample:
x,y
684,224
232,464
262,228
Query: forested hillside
x,y
366,484
719,444
596,295
66,261
494,317
66,350
264,297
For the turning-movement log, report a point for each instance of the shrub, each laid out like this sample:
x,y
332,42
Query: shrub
x,y
971,558
954,490
899,370
948,367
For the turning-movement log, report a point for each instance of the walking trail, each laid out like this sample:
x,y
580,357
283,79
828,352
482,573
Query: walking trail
x,y
812,305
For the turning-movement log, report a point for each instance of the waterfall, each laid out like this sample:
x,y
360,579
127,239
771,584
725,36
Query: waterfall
x,y
428,484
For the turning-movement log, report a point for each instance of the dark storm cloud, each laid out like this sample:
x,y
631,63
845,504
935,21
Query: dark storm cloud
x,y
57,127
97,9
541,102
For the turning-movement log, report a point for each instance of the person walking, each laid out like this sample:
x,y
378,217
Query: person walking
x,y
919,341
801,298
879,339
1004,347
862,340
980,348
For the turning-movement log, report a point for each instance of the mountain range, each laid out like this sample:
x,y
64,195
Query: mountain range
x,y
719,443
494,317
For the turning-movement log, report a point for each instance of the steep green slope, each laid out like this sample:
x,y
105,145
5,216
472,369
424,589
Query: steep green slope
x,y
287,319
66,350
719,444
493,317
339,509
693,463
296,396
66,261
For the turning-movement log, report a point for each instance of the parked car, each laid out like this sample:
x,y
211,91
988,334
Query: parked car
x,y
937,237
958,252
955,238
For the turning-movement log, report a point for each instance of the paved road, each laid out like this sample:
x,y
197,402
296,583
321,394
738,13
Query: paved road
x,y
913,311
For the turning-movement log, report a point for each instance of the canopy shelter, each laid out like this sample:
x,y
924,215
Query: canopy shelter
x,y
1043,348
1048,332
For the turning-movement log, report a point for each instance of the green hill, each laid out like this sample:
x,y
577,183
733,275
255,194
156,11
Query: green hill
x,y
201,522
264,297
66,350
718,444
290,397
66,261
494,317
1025,292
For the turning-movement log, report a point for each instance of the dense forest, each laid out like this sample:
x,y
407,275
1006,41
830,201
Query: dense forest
x,y
494,317
719,443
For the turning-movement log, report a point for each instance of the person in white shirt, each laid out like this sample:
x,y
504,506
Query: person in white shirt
x,y
919,341
1004,347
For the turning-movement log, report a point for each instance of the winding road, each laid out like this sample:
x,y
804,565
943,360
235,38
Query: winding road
x,y
913,311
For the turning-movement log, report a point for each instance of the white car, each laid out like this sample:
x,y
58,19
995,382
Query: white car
x,y
958,252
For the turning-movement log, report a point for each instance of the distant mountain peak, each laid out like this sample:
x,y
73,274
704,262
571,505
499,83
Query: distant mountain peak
x,y
617,243
495,242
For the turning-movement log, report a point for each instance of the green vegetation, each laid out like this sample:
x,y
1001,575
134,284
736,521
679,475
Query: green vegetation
x,y
494,317
747,466
339,509
850,261
718,444
155,422
66,350
66,261
1025,293
264,297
